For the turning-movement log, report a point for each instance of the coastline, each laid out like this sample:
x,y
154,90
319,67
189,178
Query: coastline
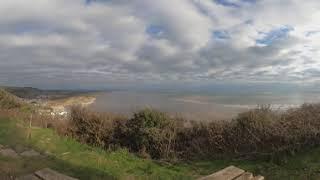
x,y
62,106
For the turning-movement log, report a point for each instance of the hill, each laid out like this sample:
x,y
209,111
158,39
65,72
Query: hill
x,y
34,93
9,101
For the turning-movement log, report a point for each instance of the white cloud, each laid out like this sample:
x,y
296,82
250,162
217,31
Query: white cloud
x,y
64,43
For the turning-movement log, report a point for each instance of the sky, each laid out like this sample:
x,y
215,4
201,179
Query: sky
x,y
137,43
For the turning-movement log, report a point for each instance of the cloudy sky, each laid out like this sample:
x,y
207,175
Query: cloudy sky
x,y
104,43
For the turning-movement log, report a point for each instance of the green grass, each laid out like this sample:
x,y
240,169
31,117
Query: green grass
x,y
84,162
120,163
78,160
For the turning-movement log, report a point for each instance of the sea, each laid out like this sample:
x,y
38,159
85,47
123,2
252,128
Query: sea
x,y
199,106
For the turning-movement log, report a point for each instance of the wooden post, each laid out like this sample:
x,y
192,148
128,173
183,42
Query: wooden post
x,y
30,127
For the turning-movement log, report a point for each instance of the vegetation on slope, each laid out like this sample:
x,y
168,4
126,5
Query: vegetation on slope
x,y
34,93
75,159
278,145
259,133
9,101
84,162
24,92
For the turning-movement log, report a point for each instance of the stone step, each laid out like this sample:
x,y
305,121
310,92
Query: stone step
x,y
228,173
245,176
28,177
49,174
258,178
231,173
9,153
30,153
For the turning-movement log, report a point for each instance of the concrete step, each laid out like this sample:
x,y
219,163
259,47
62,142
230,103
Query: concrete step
x,y
258,178
9,153
28,177
245,176
30,153
228,173
231,173
49,174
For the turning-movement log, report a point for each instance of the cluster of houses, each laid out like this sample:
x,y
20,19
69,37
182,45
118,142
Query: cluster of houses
x,y
54,111
46,107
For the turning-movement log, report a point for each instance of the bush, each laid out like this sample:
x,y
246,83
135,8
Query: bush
x,y
9,101
148,132
202,140
151,132
261,132
91,128
255,131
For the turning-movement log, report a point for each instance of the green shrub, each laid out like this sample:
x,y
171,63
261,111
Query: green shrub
x,y
261,132
9,101
89,127
151,132
202,140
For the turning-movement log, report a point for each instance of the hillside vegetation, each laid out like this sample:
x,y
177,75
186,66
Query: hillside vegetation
x,y
34,93
151,144
75,159
70,157
258,133
9,101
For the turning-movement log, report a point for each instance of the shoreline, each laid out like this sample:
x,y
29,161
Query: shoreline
x,y
62,106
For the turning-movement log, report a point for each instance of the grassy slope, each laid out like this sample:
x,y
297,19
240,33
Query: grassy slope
x,y
75,159
84,162
72,158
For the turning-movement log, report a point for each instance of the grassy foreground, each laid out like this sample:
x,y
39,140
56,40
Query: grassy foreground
x,y
72,158
84,162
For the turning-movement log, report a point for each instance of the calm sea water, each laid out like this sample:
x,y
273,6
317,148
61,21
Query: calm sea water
x,y
197,106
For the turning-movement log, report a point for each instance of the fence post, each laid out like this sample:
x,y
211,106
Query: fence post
x,y
30,127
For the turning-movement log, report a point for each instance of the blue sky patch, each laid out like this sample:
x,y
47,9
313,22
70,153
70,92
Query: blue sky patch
x,y
274,35
226,3
26,27
155,30
220,35
87,2
311,33
231,3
